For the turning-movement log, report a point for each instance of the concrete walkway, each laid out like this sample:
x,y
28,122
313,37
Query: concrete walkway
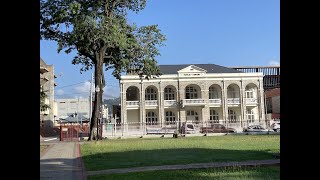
x,y
185,166
62,161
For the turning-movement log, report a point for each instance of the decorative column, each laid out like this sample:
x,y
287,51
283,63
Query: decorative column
x,y
262,117
224,101
123,105
160,104
205,96
242,106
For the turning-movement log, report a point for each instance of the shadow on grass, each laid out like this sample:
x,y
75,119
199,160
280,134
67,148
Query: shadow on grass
x,y
157,157
230,173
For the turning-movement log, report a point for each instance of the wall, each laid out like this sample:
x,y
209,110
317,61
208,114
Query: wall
x,y
133,115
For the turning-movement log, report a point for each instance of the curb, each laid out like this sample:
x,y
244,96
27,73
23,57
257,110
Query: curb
x,y
80,162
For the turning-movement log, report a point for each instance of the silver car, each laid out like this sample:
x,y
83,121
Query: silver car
x,y
255,128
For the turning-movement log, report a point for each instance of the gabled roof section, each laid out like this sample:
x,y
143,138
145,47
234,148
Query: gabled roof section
x,y
209,68
192,68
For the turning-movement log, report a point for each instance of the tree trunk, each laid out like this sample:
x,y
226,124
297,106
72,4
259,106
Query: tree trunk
x,y
94,132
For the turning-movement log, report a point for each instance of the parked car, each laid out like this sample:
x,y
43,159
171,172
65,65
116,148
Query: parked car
x,y
217,128
255,128
276,126
190,129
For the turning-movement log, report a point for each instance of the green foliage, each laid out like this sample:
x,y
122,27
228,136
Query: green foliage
x,y
43,96
99,29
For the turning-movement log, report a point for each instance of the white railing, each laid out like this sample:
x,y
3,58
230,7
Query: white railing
x,y
251,101
193,101
215,101
132,103
233,100
170,102
151,102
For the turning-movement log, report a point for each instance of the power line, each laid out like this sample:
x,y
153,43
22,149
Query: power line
x,y
71,85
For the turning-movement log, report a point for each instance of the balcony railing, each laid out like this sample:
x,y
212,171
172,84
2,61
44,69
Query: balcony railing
x,y
251,101
132,103
170,102
193,102
215,101
151,102
233,100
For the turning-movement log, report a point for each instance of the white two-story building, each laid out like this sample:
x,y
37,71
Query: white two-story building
x,y
198,93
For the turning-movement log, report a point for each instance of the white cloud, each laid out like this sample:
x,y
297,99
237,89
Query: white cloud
x,y
108,91
274,63
60,92
83,88
111,92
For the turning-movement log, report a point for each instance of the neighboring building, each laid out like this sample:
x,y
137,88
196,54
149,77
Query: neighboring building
x,y
199,93
271,85
273,103
47,83
271,74
79,108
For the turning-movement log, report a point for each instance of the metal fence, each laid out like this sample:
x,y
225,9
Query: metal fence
x,y
188,127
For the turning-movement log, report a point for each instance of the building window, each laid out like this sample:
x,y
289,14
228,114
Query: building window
x,y
214,116
191,93
250,115
231,92
232,116
170,118
213,93
249,93
132,94
151,94
151,118
169,94
192,116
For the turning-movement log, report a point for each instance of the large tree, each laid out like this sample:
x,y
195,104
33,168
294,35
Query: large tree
x,y
98,30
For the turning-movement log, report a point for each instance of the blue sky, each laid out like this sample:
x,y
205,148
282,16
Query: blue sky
x,y
222,32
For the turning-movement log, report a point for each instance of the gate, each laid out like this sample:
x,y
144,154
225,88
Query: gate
x,y
69,132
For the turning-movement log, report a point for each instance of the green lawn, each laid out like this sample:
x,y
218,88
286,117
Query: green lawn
x,y
123,153
230,173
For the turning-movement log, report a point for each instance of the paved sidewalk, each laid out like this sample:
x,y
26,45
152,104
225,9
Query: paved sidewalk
x,y
62,161
185,166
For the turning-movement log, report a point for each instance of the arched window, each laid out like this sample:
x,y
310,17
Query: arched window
x,y
249,92
214,116
250,115
169,94
151,118
193,116
213,93
151,94
191,93
231,92
232,116
170,118
132,94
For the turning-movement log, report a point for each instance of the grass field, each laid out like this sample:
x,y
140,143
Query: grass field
x,y
231,173
122,153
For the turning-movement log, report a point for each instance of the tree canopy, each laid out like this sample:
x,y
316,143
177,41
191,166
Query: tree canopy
x,y
99,31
